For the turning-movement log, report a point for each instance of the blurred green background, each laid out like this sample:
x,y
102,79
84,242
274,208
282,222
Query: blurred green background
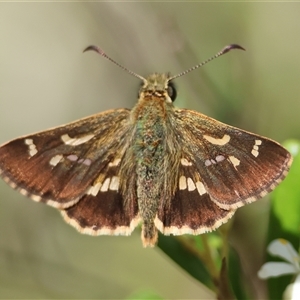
x,y
46,81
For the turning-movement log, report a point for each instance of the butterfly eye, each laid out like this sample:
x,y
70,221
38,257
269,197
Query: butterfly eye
x,y
172,91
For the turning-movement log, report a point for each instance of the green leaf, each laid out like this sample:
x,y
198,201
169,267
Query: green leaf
x,y
285,216
235,275
185,258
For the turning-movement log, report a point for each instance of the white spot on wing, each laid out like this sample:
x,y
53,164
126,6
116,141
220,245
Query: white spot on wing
x,y
55,160
191,184
254,151
105,185
72,157
86,161
94,189
114,183
200,188
182,183
28,141
76,141
211,161
31,146
221,142
207,162
220,158
185,162
115,162
234,161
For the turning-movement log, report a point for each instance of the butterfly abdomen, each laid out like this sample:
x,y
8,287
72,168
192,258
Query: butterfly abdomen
x,y
149,148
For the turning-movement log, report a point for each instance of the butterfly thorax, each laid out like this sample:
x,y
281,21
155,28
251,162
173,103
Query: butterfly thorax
x,y
151,117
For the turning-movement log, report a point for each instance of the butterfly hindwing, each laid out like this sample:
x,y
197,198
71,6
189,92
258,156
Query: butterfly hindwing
x,y
103,210
191,209
57,166
236,166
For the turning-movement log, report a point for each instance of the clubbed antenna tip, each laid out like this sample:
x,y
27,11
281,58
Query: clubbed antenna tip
x,y
231,47
96,49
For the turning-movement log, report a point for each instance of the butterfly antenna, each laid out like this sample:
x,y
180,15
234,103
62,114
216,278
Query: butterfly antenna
x,y
223,51
102,53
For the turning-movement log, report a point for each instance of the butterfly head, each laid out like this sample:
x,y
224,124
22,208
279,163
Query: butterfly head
x,y
158,85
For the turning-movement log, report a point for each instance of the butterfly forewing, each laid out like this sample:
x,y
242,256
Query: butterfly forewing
x,y
57,166
236,166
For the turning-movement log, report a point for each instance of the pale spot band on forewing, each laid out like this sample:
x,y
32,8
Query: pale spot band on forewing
x,y
221,142
76,141
55,160
234,161
211,161
74,157
85,161
254,150
219,158
31,147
